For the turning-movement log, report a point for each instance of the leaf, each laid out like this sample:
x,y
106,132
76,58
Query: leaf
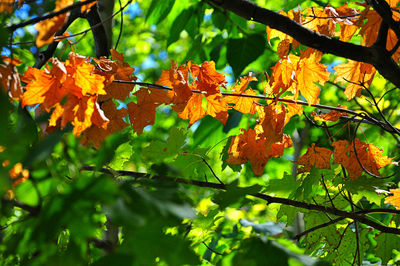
x,y
332,116
367,187
368,155
315,157
385,245
244,105
9,77
234,194
395,198
179,25
241,52
282,187
159,10
307,73
358,74
47,28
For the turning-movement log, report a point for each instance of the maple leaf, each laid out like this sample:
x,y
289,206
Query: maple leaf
x,y
315,157
244,105
217,108
258,145
82,80
272,121
143,113
193,109
368,154
356,73
9,77
47,28
96,134
283,74
177,79
307,73
292,109
332,116
206,78
116,69
45,86
74,81
247,147
395,198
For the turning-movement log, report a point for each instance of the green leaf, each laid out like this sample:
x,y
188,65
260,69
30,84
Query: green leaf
x,y
385,245
366,187
242,51
255,251
234,194
282,187
122,155
108,148
159,10
289,211
178,25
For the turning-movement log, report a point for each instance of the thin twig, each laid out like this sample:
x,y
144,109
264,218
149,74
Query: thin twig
x,y
352,112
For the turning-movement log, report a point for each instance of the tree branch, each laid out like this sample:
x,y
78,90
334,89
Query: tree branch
x,y
365,118
50,15
377,56
269,199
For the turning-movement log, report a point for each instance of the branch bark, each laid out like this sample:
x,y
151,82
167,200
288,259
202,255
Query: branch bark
x,y
375,55
269,199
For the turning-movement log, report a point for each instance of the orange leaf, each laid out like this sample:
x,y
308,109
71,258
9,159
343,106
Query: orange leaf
x,y
265,141
368,155
115,69
244,105
247,147
356,73
315,157
217,108
44,86
96,134
193,109
47,28
307,73
395,199
332,116
141,115
9,77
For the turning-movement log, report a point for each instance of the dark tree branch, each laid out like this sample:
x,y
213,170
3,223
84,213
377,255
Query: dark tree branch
x,y
384,10
377,56
101,43
48,16
44,56
269,199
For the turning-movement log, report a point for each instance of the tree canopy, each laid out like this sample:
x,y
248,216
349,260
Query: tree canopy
x,y
199,132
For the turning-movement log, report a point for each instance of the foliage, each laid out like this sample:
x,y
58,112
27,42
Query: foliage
x,y
200,163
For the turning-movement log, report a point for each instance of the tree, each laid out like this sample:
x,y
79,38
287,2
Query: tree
x,y
250,132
